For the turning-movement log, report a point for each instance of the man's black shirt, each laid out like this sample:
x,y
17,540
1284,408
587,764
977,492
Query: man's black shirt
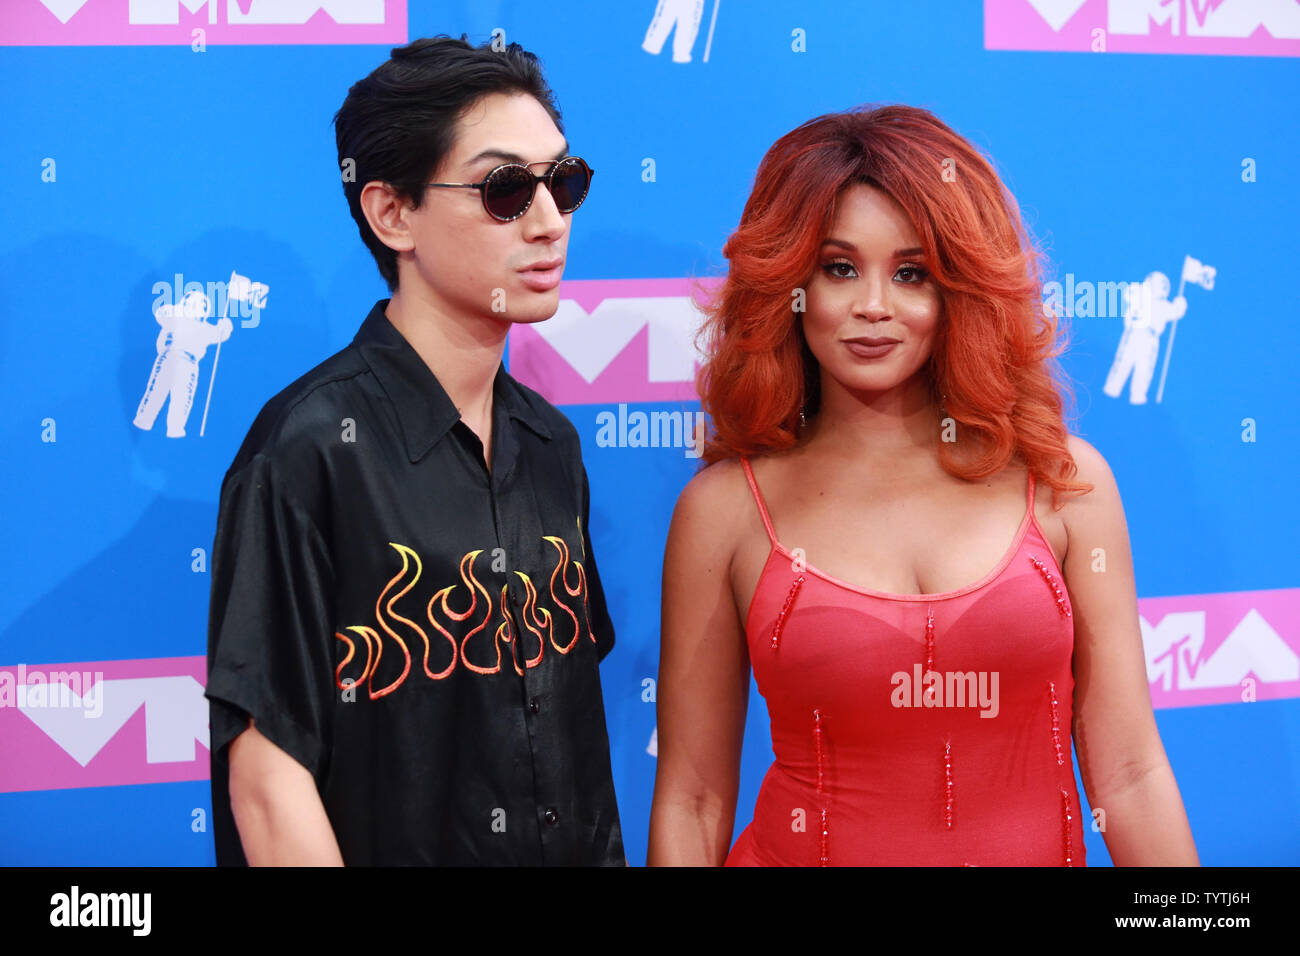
x,y
422,634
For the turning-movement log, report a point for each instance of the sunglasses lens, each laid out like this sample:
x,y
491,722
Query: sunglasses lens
x,y
508,192
569,185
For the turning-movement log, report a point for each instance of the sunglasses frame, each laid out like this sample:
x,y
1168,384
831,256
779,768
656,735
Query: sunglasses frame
x,y
537,180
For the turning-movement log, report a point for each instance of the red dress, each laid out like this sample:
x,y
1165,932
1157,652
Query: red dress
x,y
915,729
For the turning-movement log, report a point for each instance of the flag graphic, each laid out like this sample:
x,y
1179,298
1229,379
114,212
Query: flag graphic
x,y
1196,271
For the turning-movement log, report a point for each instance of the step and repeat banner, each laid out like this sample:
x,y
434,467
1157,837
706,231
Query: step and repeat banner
x,y
155,150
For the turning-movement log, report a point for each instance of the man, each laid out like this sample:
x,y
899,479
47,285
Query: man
x,y
406,614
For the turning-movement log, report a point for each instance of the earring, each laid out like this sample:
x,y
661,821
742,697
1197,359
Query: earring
x,y
803,420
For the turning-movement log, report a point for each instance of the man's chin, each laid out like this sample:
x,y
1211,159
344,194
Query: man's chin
x,y
543,307
536,321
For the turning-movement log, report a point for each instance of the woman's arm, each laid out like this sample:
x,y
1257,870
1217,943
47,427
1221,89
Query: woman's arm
x,y
703,686
1121,759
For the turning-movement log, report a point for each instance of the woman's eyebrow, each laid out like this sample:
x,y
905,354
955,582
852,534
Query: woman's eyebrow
x,y
898,253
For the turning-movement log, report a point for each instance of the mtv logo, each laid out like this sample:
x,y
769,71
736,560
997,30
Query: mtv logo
x,y
1199,27
612,341
180,22
1213,648
259,11
1226,18
147,719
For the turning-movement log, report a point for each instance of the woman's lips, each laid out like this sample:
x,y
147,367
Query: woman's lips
x,y
870,351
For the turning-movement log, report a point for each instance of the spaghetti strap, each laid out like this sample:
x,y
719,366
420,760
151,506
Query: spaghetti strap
x,y
1033,519
758,498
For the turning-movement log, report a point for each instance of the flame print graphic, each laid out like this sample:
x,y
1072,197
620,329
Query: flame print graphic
x,y
474,588
561,572
534,618
538,622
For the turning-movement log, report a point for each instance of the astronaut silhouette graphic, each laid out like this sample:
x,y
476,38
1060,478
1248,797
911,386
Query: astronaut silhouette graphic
x,y
184,337
685,15
1147,311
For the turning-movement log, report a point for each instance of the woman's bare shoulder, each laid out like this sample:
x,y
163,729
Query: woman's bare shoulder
x,y
714,494
1101,505
1092,465
706,523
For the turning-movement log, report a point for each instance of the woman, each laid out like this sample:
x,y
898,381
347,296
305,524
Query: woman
x,y
929,632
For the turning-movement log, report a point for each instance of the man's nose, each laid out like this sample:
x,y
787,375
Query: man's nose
x,y
543,216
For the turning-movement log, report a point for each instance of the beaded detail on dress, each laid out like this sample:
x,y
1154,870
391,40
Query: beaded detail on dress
x,y
824,858
864,664
785,609
1062,603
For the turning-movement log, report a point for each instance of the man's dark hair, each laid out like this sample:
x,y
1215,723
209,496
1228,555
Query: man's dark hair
x,y
398,124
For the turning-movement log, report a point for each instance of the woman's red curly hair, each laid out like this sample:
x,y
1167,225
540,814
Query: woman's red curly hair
x,y
994,358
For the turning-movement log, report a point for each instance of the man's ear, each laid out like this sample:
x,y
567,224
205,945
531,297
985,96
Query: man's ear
x,y
386,212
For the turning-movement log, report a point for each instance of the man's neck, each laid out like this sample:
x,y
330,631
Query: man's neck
x,y
462,351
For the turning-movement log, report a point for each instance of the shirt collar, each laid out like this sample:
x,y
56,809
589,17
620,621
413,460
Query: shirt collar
x,y
423,407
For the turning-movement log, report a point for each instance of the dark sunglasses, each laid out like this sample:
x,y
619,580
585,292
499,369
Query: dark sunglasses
x,y
508,190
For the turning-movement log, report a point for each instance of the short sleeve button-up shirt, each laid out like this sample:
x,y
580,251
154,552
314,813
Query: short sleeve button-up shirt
x,y
420,632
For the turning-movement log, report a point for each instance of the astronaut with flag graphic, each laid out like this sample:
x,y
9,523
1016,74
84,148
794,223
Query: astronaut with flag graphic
x,y
185,336
1193,271
248,293
682,14
1147,310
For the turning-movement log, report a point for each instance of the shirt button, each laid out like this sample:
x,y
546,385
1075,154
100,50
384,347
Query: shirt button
x,y
533,705
550,816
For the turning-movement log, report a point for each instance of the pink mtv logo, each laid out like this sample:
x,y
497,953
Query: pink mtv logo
x,y
172,22
1222,648
614,340
103,723
1206,27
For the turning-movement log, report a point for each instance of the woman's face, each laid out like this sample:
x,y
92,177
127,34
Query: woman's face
x,y
872,308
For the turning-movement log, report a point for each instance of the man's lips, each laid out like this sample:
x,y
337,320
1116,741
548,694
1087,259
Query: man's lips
x,y
542,276
544,266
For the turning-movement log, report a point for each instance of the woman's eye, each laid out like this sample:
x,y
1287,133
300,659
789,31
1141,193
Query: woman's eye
x,y
844,270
